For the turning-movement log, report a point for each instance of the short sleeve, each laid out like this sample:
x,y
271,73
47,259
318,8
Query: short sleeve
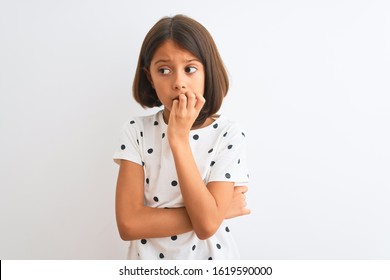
x,y
128,147
230,163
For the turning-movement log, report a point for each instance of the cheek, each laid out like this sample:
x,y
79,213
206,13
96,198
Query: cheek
x,y
201,86
201,82
162,93
160,88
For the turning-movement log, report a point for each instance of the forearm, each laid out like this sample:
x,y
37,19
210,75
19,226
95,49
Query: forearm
x,y
134,219
202,208
148,222
206,205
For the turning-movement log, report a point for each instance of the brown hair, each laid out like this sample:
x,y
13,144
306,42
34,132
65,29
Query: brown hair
x,y
193,37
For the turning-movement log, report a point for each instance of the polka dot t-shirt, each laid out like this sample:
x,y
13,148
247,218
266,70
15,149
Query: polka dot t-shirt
x,y
219,151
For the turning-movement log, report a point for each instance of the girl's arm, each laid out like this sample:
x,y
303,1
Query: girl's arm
x,y
206,206
134,219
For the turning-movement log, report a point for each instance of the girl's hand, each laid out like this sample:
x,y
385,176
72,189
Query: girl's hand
x,y
183,114
238,205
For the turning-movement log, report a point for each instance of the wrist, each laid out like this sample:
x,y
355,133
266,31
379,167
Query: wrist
x,y
178,143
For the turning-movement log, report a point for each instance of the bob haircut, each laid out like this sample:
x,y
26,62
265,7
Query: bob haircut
x,y
193,37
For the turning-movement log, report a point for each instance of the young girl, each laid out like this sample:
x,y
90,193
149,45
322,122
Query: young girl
x,y
182,170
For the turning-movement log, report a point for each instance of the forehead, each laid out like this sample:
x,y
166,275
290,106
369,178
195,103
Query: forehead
x,y
169,50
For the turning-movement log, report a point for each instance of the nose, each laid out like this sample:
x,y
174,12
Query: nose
x,y
179,82
178,86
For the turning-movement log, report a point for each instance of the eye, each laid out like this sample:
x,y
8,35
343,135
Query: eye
x,y
190,69
164,71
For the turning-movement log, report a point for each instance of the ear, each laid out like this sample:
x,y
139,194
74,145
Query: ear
x,y
147,73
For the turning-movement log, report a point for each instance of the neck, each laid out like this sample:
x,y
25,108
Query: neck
x,y
208,121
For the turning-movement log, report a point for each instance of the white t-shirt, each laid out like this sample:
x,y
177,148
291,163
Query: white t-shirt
x,y
220,153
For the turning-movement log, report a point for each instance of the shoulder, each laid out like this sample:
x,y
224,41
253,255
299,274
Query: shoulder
x,y
140,123
230,128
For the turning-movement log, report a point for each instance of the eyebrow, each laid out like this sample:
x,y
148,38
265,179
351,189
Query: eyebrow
x,y
168,60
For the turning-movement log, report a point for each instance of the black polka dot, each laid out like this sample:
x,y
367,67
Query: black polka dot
x,y
155,198
123,147
230,146
218,246
212,163
143,241
142,134
174,237
210,151
155,122
239,161
224,135
132,122
174,183
147,180
243,134
161,255
143,163
193,248
196,137
227,229
150,151
210,258
137,142
227,175
215,125
163,135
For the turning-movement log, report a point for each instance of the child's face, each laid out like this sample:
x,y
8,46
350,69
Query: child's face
x,y
174,71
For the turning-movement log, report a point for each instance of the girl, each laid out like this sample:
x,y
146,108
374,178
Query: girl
x,y
181,168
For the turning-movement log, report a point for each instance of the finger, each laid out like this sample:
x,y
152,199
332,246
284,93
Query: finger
x,y
246,211
175,104
182,102
241,189
200,101
191,99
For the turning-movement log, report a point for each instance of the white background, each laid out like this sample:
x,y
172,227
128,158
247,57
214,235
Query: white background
x,y
309,83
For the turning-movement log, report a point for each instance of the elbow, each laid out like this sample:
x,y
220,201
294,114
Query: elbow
x,y
127,232
124,235
129,226
204,235
206,231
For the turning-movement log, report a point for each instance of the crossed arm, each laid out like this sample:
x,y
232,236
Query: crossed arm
x,y
136,221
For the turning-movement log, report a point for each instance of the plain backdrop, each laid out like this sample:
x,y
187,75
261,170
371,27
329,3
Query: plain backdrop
x,y
309,84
